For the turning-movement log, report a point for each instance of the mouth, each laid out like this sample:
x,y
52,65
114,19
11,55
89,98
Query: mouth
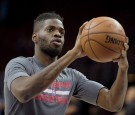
x,y
57,42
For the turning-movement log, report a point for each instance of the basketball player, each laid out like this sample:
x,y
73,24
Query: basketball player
x,y
43,84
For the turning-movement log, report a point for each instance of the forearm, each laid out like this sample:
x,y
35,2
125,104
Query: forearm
x,y
49,73
118,90
113,99
40,81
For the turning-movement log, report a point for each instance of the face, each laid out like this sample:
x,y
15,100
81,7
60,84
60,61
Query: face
x,y
50,38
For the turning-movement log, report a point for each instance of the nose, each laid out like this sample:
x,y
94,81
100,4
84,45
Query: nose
x,y
57,34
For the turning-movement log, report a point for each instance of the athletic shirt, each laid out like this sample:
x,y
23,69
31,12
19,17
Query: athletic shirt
x,y
55,98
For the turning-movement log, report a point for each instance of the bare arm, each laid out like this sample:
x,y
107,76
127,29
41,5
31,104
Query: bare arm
x,y
25,88
113,99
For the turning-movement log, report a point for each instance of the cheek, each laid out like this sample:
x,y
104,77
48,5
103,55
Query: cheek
x,y
43,43
41,35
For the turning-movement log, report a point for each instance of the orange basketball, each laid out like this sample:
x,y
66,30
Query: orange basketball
x,y
103,38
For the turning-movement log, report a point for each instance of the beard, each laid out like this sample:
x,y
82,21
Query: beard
x,y
50,49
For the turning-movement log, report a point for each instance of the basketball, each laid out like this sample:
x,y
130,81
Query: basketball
x,y
103,39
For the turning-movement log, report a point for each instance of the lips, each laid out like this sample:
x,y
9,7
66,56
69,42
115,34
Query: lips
x,y
57,42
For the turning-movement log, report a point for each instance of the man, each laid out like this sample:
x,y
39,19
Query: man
x,y
43,85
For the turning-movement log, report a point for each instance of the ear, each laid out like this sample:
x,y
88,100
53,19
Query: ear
x,y
34,37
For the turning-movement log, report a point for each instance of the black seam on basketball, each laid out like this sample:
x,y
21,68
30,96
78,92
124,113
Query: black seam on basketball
x,y
103,33
93,51
97,24
103,46
107,33
90,44
88,37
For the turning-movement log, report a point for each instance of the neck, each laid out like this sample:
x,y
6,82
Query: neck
x,y
44,59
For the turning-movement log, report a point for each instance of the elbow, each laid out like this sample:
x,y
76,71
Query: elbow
x,y
23,99
22,96
118,109
115,107
21,91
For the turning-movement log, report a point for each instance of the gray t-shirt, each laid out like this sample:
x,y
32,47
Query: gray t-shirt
x,y
53,100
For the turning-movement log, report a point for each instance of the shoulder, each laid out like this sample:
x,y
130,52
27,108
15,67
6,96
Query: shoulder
x,y
19,64
23,61
20,59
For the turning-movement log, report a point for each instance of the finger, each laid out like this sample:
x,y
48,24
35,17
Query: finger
x,y
92,19
115,60
123,54
83,25
127,40
126,46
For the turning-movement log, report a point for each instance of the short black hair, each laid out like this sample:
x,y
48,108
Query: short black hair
x,y
45,16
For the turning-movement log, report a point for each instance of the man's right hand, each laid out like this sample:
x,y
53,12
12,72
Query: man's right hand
x,y
78,48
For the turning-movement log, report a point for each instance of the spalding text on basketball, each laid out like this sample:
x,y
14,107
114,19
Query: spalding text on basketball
x,y
112,40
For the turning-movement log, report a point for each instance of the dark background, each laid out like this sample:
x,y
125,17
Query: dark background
x,y
16,22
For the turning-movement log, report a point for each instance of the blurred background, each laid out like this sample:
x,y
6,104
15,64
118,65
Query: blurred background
x,y
16,25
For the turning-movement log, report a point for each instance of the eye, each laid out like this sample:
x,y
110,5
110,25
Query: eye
x,y
50,29
62,31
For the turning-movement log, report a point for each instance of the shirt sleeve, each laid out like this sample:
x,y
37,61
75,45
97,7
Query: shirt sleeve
x,y
87,90
14,69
